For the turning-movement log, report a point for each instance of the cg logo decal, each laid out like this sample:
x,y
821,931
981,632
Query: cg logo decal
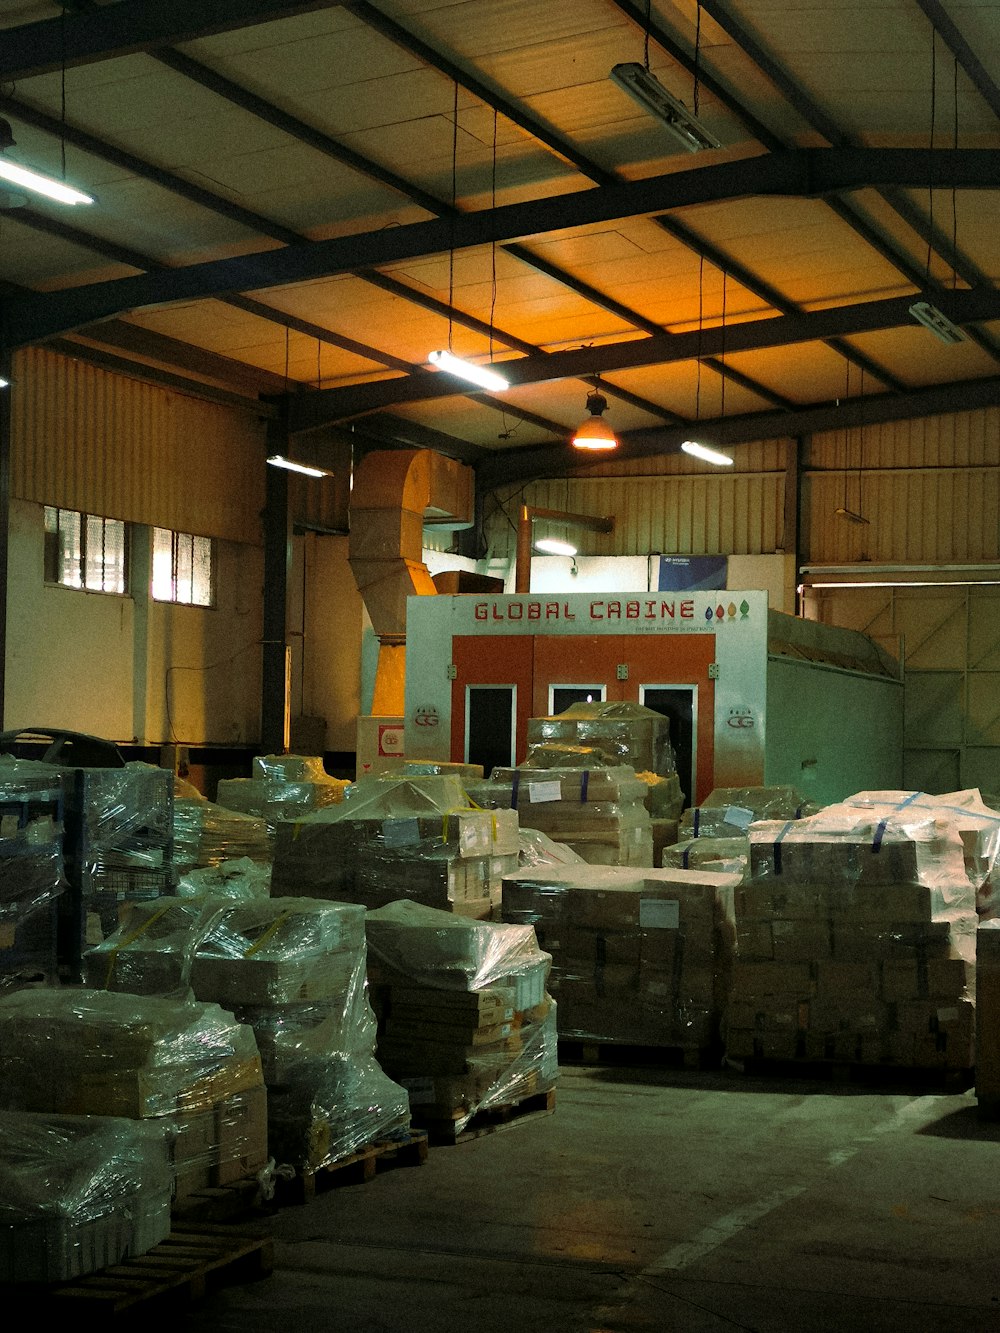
x,y
426,717
741,719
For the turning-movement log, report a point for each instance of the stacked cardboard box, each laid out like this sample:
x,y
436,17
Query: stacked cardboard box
x,y
599,813
31,877
856,942
293,970
465,1021
394,838
729,856
189,1066
282,786
79,1193
206,834
639,957
728,812
152,952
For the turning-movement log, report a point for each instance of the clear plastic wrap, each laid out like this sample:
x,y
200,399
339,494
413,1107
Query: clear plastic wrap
x,y
464,1015
599,813
126,829
393,838
538,849
856,934
79,1193
206,834
32,875
279,951
93,1052
728,812
282,787
242,880
623,733
721,855
639,957
151,954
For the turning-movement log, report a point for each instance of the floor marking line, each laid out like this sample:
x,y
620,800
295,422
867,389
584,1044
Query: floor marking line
x,y
718,1232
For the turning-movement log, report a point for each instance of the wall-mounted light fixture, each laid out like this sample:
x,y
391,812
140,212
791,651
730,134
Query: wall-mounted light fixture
x,y
290,465
35,180
526,520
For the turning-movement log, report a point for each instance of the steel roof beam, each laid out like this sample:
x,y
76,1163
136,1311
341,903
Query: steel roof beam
x,y
341,404
531,463
805,172
109,31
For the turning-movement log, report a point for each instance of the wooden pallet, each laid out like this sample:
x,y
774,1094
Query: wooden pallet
x,y
178,1272
240,1199
359,1167
584,1051
451,1131
937,1078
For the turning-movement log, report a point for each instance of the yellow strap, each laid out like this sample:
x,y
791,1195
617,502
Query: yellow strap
x,y
130,939
272,928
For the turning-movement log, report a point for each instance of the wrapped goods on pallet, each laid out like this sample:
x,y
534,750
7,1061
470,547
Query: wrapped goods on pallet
x,y
394,838
640,957
538,849
599,813
152,952
428,768
465,1020
190,1066
79,1193
729,856
207,834
728,812
856,935
241,880
282,786
293,971
32,876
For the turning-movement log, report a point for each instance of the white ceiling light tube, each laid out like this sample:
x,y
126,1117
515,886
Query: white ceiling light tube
x,y
468,370
46,185
937,322
645,88
278,460
706,455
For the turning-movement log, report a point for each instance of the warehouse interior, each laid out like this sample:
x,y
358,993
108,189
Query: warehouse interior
x,y
765,228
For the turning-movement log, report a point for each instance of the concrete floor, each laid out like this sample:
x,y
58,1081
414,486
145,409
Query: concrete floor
x,y
659,1200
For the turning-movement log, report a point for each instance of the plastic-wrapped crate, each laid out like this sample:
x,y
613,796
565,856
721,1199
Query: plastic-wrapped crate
x,y
465,1020
721,855
284,786
619,733
856,938
79,1193
241,880
599,813
728,812
152,953
206,834
639,957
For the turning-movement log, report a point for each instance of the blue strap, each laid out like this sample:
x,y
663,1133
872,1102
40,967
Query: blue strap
x,y
777,847
684,857
697,819
514,786
584,784
880,831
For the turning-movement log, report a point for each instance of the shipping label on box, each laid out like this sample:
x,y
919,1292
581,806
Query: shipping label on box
x,y
659,913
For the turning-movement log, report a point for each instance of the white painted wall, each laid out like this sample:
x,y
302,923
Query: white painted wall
x,y
136,672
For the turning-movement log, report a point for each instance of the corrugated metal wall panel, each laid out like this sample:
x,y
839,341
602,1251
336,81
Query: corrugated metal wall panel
x,y
737,514
942,516
84,438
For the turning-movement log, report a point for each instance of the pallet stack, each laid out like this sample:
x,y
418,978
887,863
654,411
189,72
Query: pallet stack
x,y
856,938
281,786
639,957
600,813
465,1021
189,1067
32,878
293,971
413,838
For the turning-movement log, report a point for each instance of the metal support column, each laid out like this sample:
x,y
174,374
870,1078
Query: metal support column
x,y
277,567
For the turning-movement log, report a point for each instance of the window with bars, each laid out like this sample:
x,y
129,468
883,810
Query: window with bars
x,y
85,551
182,568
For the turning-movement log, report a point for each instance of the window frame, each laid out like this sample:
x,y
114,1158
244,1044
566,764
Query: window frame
x,y
55,560
182,544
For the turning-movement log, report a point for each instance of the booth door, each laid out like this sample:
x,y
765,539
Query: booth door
x,y
669,673
490,699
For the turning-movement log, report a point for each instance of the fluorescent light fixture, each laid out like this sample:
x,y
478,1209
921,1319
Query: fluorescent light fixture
x,y
705,454
594,432
849,513
468,370
645,88
553,546
277,460
34,180
939,324
4,384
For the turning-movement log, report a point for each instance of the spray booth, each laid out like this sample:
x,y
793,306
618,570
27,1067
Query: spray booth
x,y
754,697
